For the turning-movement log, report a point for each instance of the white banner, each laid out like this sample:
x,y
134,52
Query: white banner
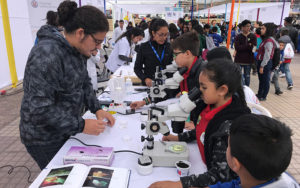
x,y
173,14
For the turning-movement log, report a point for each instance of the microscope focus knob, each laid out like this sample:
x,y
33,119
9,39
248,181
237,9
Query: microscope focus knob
x,y
143,138
143,126
154,127
156,91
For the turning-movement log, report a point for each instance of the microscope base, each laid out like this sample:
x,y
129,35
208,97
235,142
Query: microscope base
x,y
167,153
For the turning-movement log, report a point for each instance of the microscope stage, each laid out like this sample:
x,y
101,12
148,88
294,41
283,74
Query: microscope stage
x,y
167,153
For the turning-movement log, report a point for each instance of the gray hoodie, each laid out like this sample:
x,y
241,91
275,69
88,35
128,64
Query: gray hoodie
x,y
56,88
286,39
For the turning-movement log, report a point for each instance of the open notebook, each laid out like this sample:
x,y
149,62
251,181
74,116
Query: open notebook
x,y
79,175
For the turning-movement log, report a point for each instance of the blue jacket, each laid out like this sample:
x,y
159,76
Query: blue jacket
x,y
217,39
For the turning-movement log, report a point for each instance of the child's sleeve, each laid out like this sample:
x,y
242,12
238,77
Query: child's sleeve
x,y
187,136
219,170
223,185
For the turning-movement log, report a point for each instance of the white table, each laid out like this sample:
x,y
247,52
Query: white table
x,y
129,138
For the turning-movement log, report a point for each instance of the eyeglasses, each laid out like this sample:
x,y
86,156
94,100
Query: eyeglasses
x,y
161,35
175,54
98,42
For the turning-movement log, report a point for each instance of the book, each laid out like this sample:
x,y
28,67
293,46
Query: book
x,y
89,155
80,175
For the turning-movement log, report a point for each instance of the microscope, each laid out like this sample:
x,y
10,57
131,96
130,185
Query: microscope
x,y
161,82
160,153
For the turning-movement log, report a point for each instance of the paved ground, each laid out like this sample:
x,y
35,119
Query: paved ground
x,y
285,108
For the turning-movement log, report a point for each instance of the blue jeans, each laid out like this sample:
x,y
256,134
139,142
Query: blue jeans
x,y
43,154
264,80
288,75
246,74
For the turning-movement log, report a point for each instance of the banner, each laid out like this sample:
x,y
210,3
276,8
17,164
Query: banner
x,y
173,14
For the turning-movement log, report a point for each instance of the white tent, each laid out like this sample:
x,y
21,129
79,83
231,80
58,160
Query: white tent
x,y
25,19
269,12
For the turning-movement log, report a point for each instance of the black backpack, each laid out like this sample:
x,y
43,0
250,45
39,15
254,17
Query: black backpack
x,y
276,56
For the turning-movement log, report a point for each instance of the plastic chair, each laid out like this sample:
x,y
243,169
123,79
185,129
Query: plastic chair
x,y
258,109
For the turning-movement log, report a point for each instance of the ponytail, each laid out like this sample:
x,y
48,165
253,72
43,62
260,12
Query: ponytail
x,y
131,32
89,18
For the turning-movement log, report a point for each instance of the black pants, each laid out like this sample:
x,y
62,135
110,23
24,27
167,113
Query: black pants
x,y
264,80
44,154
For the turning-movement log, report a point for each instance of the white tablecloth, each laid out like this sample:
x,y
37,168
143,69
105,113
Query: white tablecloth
x,y
129,138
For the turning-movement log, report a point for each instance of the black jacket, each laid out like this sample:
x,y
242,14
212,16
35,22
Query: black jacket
x,y
193,81
56,88
146,60
215,146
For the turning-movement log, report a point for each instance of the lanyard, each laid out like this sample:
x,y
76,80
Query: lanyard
x,y
162,54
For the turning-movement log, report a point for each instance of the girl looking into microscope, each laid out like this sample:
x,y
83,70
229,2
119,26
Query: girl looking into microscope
x,y
224,100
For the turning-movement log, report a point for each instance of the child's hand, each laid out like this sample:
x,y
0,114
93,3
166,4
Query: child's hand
x,y
148,82
170,137
189,125
261,70
280,62
166,184
178,95
137,104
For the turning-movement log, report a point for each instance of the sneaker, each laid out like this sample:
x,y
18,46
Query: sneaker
x,y
262,99
278,92
282,75
290,86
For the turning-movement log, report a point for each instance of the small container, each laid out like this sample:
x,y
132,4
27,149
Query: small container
x,y
183,167
128,86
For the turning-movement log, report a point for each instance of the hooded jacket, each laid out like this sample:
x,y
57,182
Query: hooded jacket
x,y
215,146
56,88
286,39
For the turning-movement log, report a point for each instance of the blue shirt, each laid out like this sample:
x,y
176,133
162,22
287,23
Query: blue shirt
x,y
217,39
236,184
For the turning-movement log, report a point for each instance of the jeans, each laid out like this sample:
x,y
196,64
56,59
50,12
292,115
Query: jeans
x,y
264,80
246,74
43,154
288,75
275,79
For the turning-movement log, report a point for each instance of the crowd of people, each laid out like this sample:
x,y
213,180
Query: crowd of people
x,y
240,149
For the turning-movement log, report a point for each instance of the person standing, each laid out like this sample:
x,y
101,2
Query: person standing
x,y
118,31
122,51
56,83
243,44
156,52
293,32
265,57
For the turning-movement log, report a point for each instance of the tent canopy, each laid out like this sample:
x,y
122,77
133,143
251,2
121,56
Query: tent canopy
x,y
220,9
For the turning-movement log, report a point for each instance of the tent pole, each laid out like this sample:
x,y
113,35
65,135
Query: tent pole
x,y
238,13
257,18
79,3
282,13
230,24
208,16
225,11
9,44
104,2
192,9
